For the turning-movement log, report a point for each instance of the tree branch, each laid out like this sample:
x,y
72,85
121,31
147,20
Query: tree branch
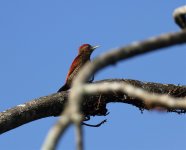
x,y
180,16
94,105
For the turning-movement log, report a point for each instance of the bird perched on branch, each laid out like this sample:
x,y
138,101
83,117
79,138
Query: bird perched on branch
x,y
83,56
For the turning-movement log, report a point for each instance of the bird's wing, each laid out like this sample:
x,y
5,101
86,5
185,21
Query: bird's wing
x,y
73,66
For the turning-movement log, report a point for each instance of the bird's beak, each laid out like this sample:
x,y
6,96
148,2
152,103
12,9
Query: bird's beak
x,y
94,47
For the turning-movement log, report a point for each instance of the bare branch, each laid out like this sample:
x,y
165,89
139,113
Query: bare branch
x,y
93,105
180,16
56,130
79,138
42,107
148,98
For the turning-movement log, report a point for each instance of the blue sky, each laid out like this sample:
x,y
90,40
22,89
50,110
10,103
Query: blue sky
x,y
39,40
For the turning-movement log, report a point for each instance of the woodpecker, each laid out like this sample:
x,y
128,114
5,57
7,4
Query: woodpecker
x,y
83,57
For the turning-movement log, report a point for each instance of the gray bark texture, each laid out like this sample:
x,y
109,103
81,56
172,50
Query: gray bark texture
x,y
93,105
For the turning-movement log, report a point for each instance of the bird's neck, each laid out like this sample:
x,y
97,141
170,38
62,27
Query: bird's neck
x,y
85,56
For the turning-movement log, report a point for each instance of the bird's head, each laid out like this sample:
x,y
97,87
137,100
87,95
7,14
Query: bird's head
x,y
87,49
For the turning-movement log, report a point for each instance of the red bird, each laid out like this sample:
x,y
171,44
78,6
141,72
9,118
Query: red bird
x,y
83,56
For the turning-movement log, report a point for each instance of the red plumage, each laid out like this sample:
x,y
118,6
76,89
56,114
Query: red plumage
x,y
84,54
73,66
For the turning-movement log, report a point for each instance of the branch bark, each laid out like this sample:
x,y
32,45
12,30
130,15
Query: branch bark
x,y
94,105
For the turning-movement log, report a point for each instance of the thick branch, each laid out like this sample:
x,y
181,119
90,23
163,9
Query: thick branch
x,y
94,105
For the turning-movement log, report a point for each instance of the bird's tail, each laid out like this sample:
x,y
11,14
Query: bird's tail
x,y
63,88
